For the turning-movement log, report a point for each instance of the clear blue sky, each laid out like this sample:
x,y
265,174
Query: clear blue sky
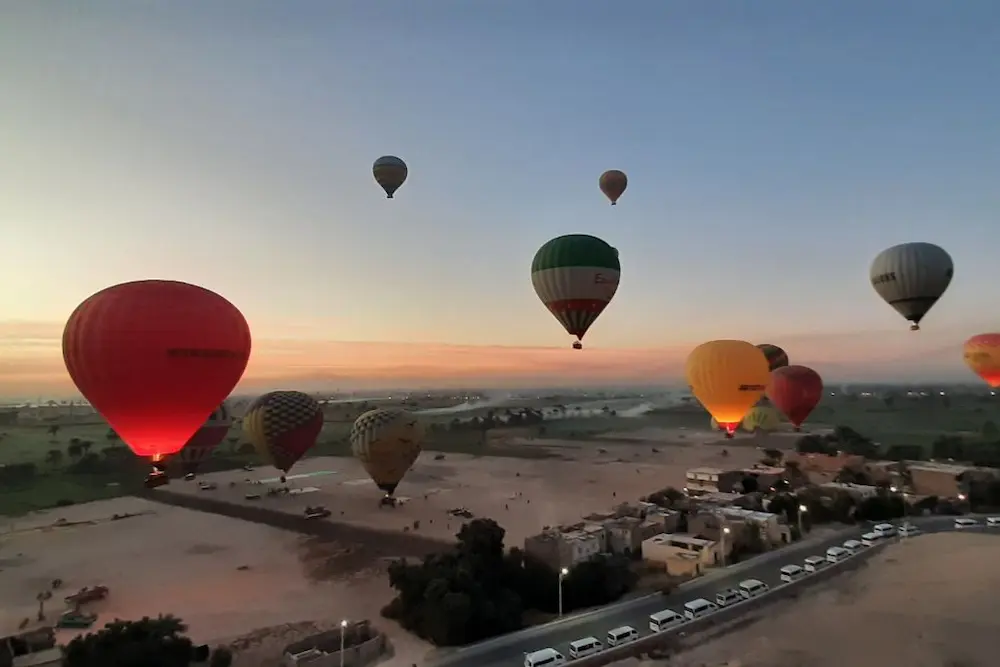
x,y
773,148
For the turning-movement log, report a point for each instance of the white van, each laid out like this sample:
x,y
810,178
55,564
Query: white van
x,y
728,597
790,573
993,521
836,554
870,539
908,530
853,546
622,635
581,648
814,563
885,529
664,620
546,657
965,522
698,608
751,588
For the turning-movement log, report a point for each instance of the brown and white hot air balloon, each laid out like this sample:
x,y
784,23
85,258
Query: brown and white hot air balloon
x,y
613,183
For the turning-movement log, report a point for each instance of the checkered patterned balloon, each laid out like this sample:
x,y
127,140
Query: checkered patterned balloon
x,y
283,425
206,439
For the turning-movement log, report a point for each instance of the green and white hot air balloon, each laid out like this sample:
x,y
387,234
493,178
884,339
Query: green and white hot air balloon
x,y
576,276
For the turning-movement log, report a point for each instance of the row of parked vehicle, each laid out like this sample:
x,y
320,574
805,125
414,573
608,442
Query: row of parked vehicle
x,y
668,619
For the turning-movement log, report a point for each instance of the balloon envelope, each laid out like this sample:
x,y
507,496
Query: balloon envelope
x,y
206,439
576,276
387,442
154,358
727,377
776,357
911,277
390,173
982,355
613,183
796,391
283,426
761,419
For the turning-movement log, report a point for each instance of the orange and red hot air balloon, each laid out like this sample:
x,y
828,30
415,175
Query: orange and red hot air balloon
x,y
796,391
155,358
982,355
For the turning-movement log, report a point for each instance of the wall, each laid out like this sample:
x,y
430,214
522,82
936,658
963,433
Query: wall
x,y
405,544
354,656
934,483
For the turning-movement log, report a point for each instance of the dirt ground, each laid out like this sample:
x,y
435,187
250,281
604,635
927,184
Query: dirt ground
x,y
170,560
926,602
523,495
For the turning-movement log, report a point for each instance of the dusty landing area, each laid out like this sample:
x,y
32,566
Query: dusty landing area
x,y
170,560
523,495
927,602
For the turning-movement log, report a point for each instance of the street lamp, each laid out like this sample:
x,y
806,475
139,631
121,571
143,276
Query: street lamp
x,y
562,575
343,631
725,531
802,510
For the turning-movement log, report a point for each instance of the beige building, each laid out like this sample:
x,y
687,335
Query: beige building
x,y
945,480
771,527
710,480
567,546
699,481
681,554
858,492
625,535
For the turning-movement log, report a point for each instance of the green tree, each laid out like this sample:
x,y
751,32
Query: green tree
x,y
149,642
814,444
990,431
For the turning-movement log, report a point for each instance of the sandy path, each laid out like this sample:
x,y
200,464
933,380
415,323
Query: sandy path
x,y
170,560
523,495
927,602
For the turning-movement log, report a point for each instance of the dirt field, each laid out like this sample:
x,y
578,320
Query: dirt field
x,y
927,602
169,560
523,495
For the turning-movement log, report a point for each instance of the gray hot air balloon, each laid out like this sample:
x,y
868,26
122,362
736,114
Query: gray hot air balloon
x,y
390,173
911,277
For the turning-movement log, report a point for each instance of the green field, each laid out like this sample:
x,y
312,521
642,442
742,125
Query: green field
x,y
61,478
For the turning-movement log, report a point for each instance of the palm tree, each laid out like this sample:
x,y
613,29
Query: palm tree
x,y
42,598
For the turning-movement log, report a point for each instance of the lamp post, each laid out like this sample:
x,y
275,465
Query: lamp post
x,y
802,510
725,531
343,631
562,575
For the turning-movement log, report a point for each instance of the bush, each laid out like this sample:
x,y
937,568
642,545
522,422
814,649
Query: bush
x,y
477,590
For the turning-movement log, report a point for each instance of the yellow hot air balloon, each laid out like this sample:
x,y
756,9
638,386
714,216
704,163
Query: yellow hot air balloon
x,y
761,418
727,377
387,442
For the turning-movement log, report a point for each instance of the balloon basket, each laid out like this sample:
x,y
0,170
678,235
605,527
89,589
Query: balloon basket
x,y
914,327
155,479
578,345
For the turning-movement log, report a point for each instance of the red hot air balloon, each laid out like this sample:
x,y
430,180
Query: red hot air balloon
x,y
155,358
206,439
795,390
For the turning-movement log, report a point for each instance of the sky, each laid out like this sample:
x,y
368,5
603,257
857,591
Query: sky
x,y
773,149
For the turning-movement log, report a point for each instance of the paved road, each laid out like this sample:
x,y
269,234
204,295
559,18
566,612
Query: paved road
x,y
509,650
